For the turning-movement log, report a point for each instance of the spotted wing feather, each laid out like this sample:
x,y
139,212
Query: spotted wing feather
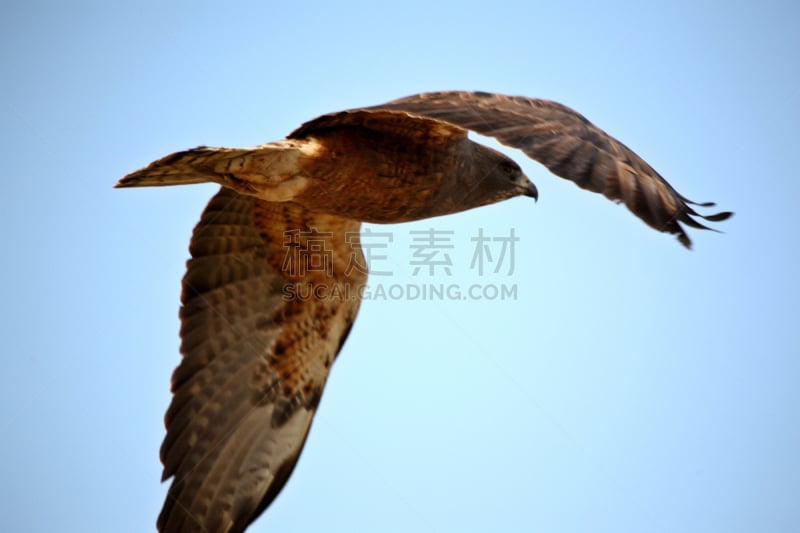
x,y
254,361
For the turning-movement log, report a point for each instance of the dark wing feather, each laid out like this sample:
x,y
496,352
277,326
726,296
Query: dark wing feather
x,y
570,146
418,129
254,362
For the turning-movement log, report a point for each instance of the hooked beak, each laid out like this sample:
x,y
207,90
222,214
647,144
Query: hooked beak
x,y
529,189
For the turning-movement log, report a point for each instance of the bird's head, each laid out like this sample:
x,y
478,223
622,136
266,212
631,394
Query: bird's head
x,y
493,177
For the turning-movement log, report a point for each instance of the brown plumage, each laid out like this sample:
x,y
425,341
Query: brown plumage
x,y
273,285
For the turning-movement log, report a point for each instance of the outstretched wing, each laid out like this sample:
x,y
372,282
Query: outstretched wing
x,y
569,146
261,325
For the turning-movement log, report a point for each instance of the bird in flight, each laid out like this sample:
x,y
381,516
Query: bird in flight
x,y
255,360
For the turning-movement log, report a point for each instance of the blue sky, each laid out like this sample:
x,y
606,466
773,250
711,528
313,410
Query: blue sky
x,y
631,386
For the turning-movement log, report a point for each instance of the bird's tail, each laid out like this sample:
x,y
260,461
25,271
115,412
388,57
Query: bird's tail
x,y
221,165
271,171
198,165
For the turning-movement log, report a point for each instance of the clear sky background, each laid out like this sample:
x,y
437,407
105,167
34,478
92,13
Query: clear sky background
x,y
632,386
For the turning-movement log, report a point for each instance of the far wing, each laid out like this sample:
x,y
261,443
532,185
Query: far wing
x,y
257,346
569,146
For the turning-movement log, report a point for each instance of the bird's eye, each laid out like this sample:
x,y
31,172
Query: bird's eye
x,y
509,169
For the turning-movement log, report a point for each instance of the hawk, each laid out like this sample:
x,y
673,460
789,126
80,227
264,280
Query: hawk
x,y
256,355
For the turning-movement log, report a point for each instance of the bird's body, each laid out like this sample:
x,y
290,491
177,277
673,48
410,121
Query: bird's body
x,y
358,165
274,282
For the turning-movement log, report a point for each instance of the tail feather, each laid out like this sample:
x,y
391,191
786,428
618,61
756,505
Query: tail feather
x,y
198,165
268,168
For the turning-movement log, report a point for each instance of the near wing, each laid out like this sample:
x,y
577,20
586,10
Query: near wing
x,y
569,146
256,354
